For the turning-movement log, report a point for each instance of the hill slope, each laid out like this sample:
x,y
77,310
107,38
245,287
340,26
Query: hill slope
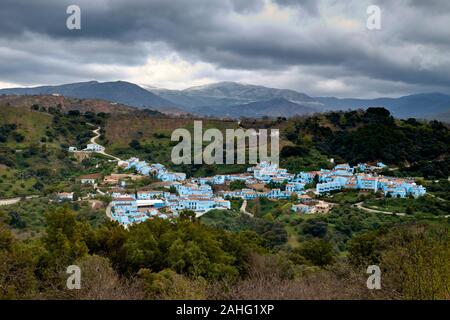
x,y
426,105
64,103
230,98
275,107
223,94
118,92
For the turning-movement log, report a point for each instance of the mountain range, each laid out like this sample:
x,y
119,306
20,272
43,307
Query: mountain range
x,y
230,99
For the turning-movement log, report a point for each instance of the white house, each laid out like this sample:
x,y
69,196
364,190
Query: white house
x,y
94,147
62,196
90,178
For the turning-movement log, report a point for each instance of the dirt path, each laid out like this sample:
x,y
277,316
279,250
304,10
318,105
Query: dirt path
x,y
243,207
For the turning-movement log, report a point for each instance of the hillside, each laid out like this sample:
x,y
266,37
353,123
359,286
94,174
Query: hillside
x,y
425,106
229,93
33,148
64,104
276,107
217,98
362,136
279,251
306,142
119,92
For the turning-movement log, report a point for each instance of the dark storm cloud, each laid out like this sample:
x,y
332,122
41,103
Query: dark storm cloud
x,y
34,39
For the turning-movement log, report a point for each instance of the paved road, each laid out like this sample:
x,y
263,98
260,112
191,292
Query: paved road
x,y
108,211
359,205
93,140
436,197
7,202
243,207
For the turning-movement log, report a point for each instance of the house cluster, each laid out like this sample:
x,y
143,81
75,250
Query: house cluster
x,y
135,208
156,169
249,194
363,177
270,172
197,194
308,205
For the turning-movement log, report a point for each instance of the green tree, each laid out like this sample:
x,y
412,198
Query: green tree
x,y
64,240
319,252
237,184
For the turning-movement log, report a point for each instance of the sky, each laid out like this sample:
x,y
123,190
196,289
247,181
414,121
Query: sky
x,y
321,48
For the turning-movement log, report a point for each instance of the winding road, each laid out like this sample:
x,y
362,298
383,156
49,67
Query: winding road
x,y
243,207
359,205
93,140
7,202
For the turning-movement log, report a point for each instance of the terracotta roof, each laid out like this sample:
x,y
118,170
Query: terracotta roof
x,y
91,176
124,199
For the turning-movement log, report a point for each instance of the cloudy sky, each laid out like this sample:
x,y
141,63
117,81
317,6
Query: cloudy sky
x,y
321,47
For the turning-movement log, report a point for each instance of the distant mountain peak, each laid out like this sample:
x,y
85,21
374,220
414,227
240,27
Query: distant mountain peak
x,y
227,97
123,92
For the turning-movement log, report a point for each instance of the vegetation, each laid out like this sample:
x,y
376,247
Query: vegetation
x,y
225,254
426,205
47,134
362,136
192,259
237,184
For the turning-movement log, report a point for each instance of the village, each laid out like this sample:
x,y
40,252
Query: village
x,y
176,192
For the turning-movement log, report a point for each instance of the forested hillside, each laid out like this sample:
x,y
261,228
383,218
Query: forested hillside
x,y
225,254
373,135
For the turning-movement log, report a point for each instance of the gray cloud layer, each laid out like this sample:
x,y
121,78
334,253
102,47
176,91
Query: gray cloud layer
x,y
320,47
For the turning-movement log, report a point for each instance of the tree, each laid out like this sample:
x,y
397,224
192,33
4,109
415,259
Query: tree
x,y
237,184
167,285
294,197
319,252
188,215
17,266
101,281
315,228
416,261
410,210
135,145
64,240
363,250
